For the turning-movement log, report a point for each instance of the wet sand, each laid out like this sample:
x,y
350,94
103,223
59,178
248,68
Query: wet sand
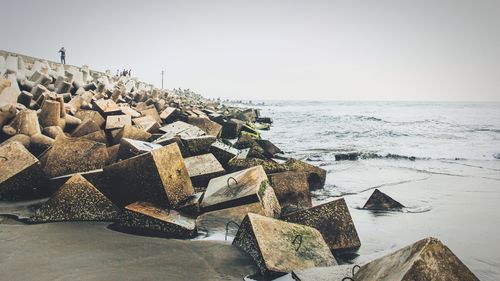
x,y
91,251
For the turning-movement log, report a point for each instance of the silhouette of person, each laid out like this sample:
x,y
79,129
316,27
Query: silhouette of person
x,y
63,55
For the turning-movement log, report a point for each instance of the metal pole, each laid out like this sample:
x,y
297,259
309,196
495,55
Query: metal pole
x,y
162,79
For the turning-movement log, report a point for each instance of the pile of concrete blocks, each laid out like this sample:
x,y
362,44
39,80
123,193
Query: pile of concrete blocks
x,y
171,163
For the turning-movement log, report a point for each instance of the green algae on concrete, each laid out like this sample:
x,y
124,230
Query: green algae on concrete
x,y
333,221
279,247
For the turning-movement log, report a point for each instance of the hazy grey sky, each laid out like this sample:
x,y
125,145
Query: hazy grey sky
x,y
340,50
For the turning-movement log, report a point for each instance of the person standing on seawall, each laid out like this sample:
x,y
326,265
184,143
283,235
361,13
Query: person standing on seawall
x,y
63,55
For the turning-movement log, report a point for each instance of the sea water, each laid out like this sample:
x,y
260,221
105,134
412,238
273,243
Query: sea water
x,y
441,160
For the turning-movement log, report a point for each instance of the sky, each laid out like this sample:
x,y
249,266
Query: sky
x,y
421,50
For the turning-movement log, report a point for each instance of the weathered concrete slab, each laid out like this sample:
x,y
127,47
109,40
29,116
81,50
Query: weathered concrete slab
x,y
127,110
181,129
129,148
224,152
333,221
279,247
269,148
169,114
106,107
86,127
231,129
150,219
117,121
207,125
381,201
92,115
246,141
192,146
240,188
427,259
73,155
203,168
151,112
291,188
216,221
77,200
131,132
159,177
20,172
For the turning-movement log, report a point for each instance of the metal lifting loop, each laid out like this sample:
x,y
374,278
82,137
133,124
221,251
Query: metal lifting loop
x,y
354,269
231,178
347,278
3,157
300,241
227,227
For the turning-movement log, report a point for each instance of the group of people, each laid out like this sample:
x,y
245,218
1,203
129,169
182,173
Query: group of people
x,y
126,73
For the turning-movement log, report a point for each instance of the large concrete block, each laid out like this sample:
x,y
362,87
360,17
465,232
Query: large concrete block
x,y
291,188
224,152
106,107
86,127
129,148
26,122
334,222
316,176
240,188
381,201
21,174
92,115
77,200
427,259
181,129
207,125
231,129
203,168
131,132
151,112
150,219
159,177
169,114
192,146
73,155
280,247
117,121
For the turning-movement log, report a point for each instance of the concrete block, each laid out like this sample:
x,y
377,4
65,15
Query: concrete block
x,y
224,152
117,121
279,247
334,222
240,188
97,136
9,95
170,114
21,174
77,200
427,259
231,129
92,115
106,107
26,122
86,127
207,125
129,148
131,132
21,138
181,129
381,201
127,110
192,146
203,168
159,177
150,219
151,113
73,155
291,188
50,114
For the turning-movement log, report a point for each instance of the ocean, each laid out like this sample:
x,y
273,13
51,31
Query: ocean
x,y
441,160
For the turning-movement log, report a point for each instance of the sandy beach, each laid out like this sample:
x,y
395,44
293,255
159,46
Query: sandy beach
x,y
91,251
